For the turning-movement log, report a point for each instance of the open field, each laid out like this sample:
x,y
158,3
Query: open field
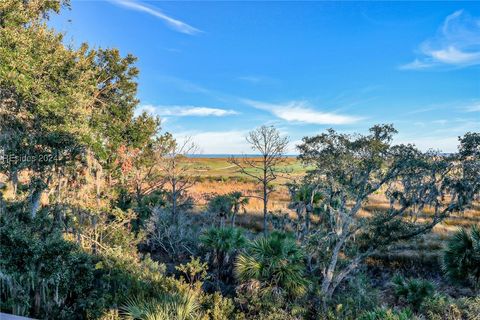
x,y
218,168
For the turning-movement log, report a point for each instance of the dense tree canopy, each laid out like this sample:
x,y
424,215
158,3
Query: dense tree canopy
x,y
348,169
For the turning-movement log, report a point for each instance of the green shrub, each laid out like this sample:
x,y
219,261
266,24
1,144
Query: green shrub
x,y
43,275
221,206
413,291
387,314
461,258
177,306
356,297
222,245
275,261
441,307
218,307
194,271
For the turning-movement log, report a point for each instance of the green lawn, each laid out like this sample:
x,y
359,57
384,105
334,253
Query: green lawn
x,y
220,167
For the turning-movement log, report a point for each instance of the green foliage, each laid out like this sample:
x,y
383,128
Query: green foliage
x,y
217,307
222,206
275,261
98,175
194,271
227,205
356,297
387,314
348,169
413,291
239,201
223,240
442,307
46,89
179,306
461,258
221,245
42,274
260,301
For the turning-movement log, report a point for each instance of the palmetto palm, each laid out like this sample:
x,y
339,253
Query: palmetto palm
x,y
238,202
222,206
276,261
169,307
304,199
461,259
222,243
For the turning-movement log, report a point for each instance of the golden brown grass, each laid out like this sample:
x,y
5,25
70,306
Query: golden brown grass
x,y
426,249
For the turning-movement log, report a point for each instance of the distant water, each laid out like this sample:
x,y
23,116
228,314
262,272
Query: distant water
x,y
225,155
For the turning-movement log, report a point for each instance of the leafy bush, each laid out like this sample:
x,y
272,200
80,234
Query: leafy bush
x,y
355,297
167,307
461,259
193,271
43,275
221,206
441,307
387,314
413,291
221,244
217,307
227,205
275,261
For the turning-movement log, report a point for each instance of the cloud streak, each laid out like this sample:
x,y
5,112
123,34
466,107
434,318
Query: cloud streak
x,y
301,111
456,44
175,24
473,108
185,111
218,142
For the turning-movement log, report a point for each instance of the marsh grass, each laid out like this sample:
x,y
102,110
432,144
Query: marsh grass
x,y
217,176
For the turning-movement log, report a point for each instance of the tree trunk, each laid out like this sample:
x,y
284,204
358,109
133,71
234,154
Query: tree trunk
x,y
308,211
265,207
35,201
327,281
233,219
265,224
174,201
222,221
265,195
2,204
14,182
37,300
342,275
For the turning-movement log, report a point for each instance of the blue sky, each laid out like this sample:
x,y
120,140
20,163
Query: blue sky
x,y
215,70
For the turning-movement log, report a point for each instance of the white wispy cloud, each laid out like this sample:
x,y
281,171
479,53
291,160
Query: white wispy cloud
x,y
251,79
457,44
175,24
184,111
218,142
258,79
301,111
475,107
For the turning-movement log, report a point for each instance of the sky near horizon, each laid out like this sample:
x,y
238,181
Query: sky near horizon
x,y
216,70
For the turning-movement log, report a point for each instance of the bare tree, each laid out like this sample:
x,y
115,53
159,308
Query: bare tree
x,y
176,169
272,147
